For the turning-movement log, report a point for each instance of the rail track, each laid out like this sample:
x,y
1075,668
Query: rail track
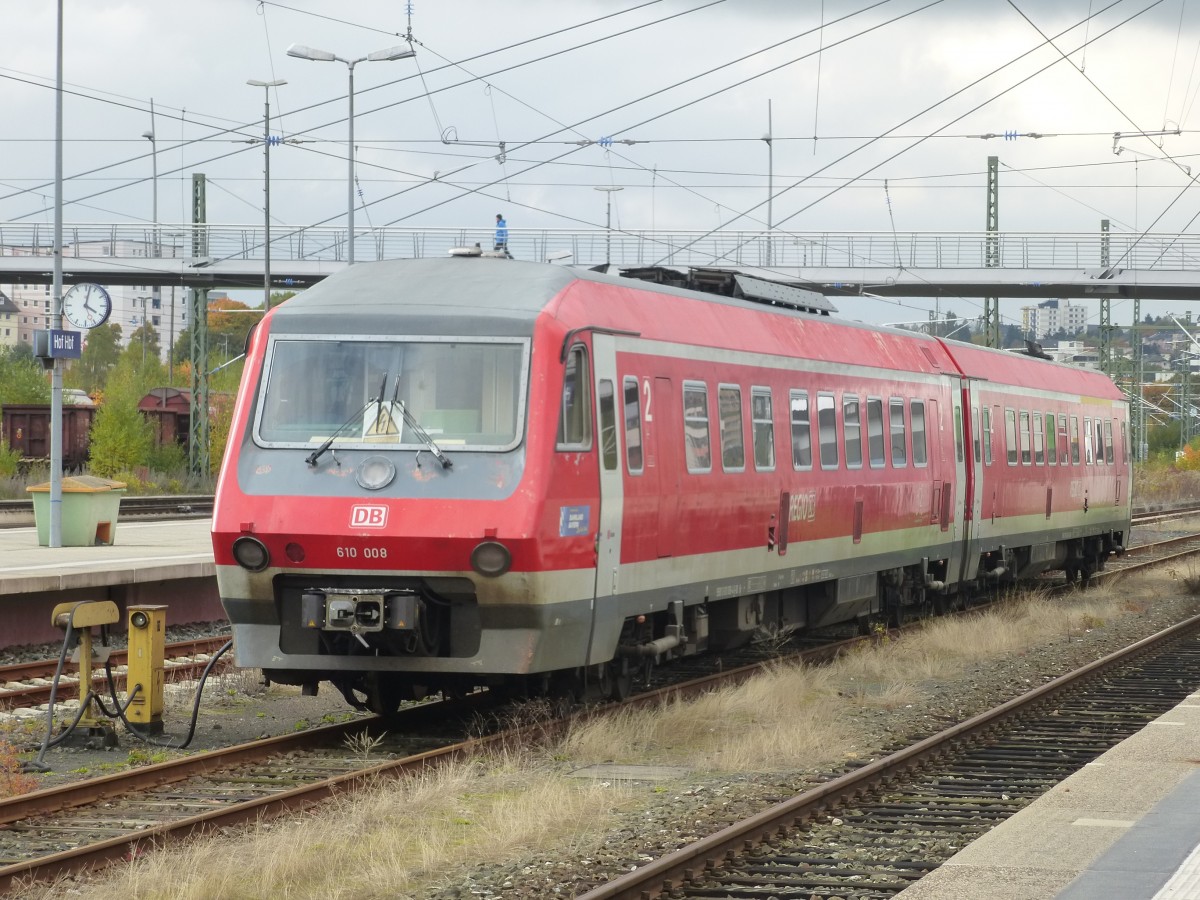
x,y
19,513
91,823
94,822
868,833
28,683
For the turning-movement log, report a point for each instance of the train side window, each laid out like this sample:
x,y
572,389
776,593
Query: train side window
x,y
1039,449
958,433
575,415
763,424
1124,443
852,431
733,441
827,429
1026,456
987,435
608,425
897,434
920,453
1108,441
975,432
801,431
875,446
1051,442
1074,440
633,425
1099,442
1088,458
697,447
1010,435
1063,444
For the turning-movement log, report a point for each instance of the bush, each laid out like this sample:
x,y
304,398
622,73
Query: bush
x,y
10,460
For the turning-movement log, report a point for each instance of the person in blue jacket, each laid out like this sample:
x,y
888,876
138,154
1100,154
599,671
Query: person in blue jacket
x,y
501,234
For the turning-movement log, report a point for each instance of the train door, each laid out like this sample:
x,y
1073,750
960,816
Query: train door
x,y
969,472
663,433
609,517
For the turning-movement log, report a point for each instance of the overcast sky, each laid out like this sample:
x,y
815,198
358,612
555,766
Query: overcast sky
x,y
877,114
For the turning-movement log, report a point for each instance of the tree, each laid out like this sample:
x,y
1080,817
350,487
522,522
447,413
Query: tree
x,y
144,342
22,378
101,349
122,437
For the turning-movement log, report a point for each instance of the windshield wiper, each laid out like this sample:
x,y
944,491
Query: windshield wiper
x,y
312,458
425,438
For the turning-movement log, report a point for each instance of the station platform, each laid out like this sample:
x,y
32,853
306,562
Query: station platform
x,y
1125,827
149,562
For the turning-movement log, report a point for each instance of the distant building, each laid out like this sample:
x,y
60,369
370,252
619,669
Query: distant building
x,y
1075,353
1049,317
10,315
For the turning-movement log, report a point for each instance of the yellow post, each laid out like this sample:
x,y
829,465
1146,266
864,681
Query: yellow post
x,y
83,616
147,626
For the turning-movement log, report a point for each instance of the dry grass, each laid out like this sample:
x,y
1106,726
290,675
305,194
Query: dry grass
x,y
393,842
403,839
799,714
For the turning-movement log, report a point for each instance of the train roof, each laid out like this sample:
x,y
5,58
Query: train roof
x,y
504,297
1020,370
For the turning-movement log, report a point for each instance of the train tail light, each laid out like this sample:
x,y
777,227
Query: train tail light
x,y
251,553
491,558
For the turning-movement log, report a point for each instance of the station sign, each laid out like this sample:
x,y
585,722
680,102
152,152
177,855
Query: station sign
x,y
56,343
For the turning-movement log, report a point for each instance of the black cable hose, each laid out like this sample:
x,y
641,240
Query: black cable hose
x,y
118,711
37,764
195,704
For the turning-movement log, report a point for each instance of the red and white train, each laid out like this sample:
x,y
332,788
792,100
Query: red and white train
x,y
450,473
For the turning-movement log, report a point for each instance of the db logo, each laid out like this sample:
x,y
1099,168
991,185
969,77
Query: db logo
x,y
368,516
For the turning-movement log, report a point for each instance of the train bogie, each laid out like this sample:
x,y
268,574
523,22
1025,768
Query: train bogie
x,y
445,474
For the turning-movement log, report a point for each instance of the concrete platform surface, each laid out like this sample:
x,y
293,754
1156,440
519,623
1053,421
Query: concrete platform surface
x,y
1125,827
142,552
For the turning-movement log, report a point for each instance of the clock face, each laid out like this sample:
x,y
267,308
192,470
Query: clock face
x,y
87,305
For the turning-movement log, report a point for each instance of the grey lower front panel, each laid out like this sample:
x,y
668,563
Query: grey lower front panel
x,y
513,640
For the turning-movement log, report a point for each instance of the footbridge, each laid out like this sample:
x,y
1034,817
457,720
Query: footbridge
x,y
887,264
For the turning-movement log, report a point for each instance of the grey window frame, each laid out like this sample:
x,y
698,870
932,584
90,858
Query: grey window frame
x,y
688,453
630,446
794,395
852,431
763,430
901,462
875,433
738,433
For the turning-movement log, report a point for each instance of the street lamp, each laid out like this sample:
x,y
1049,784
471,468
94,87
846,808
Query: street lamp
x,y
156,290
301,52
145,320
608,222
266,142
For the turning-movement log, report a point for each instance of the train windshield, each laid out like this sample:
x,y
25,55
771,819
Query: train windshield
x,y
467,394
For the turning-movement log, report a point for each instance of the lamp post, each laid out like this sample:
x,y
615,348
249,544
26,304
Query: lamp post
x,y
156,290
608,191
266,142
145,320
301,52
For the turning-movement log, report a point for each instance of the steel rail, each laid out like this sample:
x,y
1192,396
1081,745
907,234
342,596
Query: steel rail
x,y
45,668
123,847
668,872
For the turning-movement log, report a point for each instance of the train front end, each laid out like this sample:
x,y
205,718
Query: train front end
x,y
376,514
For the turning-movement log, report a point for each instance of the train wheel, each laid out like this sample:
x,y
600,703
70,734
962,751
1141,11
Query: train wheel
x,y
385,692
621,679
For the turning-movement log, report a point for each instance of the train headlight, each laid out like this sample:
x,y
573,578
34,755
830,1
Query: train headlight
x,y
375,472
251,553
491,558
